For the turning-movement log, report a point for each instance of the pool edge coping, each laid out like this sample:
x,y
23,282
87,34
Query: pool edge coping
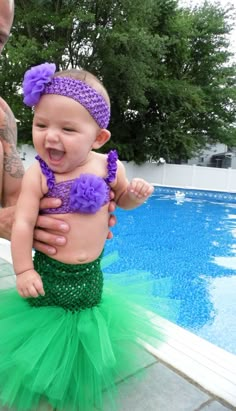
x,y
209,366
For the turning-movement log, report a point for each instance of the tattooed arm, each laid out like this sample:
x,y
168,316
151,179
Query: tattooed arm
x,y
11,167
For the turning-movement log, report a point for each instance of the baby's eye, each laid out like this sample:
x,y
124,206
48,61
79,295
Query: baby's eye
x,y
68,129
40,125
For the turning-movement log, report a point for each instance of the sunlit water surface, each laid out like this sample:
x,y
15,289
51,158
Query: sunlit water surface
x,y
190,238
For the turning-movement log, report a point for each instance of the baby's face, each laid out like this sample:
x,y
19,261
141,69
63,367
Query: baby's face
x,y
63,132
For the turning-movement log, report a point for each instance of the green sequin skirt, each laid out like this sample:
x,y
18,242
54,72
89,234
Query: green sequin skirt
x,y
72,287
69,347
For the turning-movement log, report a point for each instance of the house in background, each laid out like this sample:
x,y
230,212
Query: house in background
x,y
218,155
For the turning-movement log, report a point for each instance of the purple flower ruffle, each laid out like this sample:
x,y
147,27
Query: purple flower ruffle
x,y
112,158
35,80
47,172
88,194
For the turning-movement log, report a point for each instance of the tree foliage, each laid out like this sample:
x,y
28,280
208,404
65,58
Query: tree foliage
x,y
167,69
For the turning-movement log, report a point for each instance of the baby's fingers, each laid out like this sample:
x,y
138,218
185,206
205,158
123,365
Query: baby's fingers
x,y
148,190
136,186
28,291
38,285
33,290
144,191
140,188
21,292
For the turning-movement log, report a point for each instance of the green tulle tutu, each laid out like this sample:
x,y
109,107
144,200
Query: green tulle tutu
x,y
66,349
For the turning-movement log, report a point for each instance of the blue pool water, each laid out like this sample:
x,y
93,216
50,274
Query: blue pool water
x,y
191,240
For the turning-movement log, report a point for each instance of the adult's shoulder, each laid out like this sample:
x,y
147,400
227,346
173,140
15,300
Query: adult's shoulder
x,y
4,107
8,127
3,104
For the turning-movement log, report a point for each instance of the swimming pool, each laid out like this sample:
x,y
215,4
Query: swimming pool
x,y
191,240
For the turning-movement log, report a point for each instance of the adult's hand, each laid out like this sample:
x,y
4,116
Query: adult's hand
x,y
44,240
112,218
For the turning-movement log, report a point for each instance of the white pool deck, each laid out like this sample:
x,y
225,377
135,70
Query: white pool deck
x,y
185,374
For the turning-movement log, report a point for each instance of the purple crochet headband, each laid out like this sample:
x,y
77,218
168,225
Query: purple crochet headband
x,y
39,80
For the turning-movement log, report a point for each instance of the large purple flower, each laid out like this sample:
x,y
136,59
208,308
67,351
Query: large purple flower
x,y
88,194
35,80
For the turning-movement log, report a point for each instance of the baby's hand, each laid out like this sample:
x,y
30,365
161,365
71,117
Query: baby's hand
x,y
29,284
140,189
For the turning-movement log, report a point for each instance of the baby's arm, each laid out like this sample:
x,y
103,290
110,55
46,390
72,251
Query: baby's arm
x,y
28,281
131,194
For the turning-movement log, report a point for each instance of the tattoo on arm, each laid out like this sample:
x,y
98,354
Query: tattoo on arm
x,y
12,163
8,136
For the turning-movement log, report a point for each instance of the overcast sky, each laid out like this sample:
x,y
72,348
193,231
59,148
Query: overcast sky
x,y
224,3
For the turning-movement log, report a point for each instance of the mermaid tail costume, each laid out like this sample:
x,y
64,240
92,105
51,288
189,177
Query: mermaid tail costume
x,y
71,345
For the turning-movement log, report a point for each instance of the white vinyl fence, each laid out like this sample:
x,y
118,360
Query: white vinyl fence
x,y
185,176
169,175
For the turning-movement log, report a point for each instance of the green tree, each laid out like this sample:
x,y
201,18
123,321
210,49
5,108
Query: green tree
x,y
167,69
193,102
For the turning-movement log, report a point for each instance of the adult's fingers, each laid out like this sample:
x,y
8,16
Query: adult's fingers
x,y
112,220
45,236
47,222
49,202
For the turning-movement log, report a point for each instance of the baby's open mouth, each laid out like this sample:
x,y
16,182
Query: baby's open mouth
x,y
55,155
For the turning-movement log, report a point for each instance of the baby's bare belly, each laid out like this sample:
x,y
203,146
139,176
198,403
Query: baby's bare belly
x,y
86,238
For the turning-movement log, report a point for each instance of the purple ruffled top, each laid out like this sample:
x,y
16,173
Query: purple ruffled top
x,y
85,194
88,194
47,172
112,158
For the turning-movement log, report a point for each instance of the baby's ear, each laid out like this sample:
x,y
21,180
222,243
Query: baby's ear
x,y
101,139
